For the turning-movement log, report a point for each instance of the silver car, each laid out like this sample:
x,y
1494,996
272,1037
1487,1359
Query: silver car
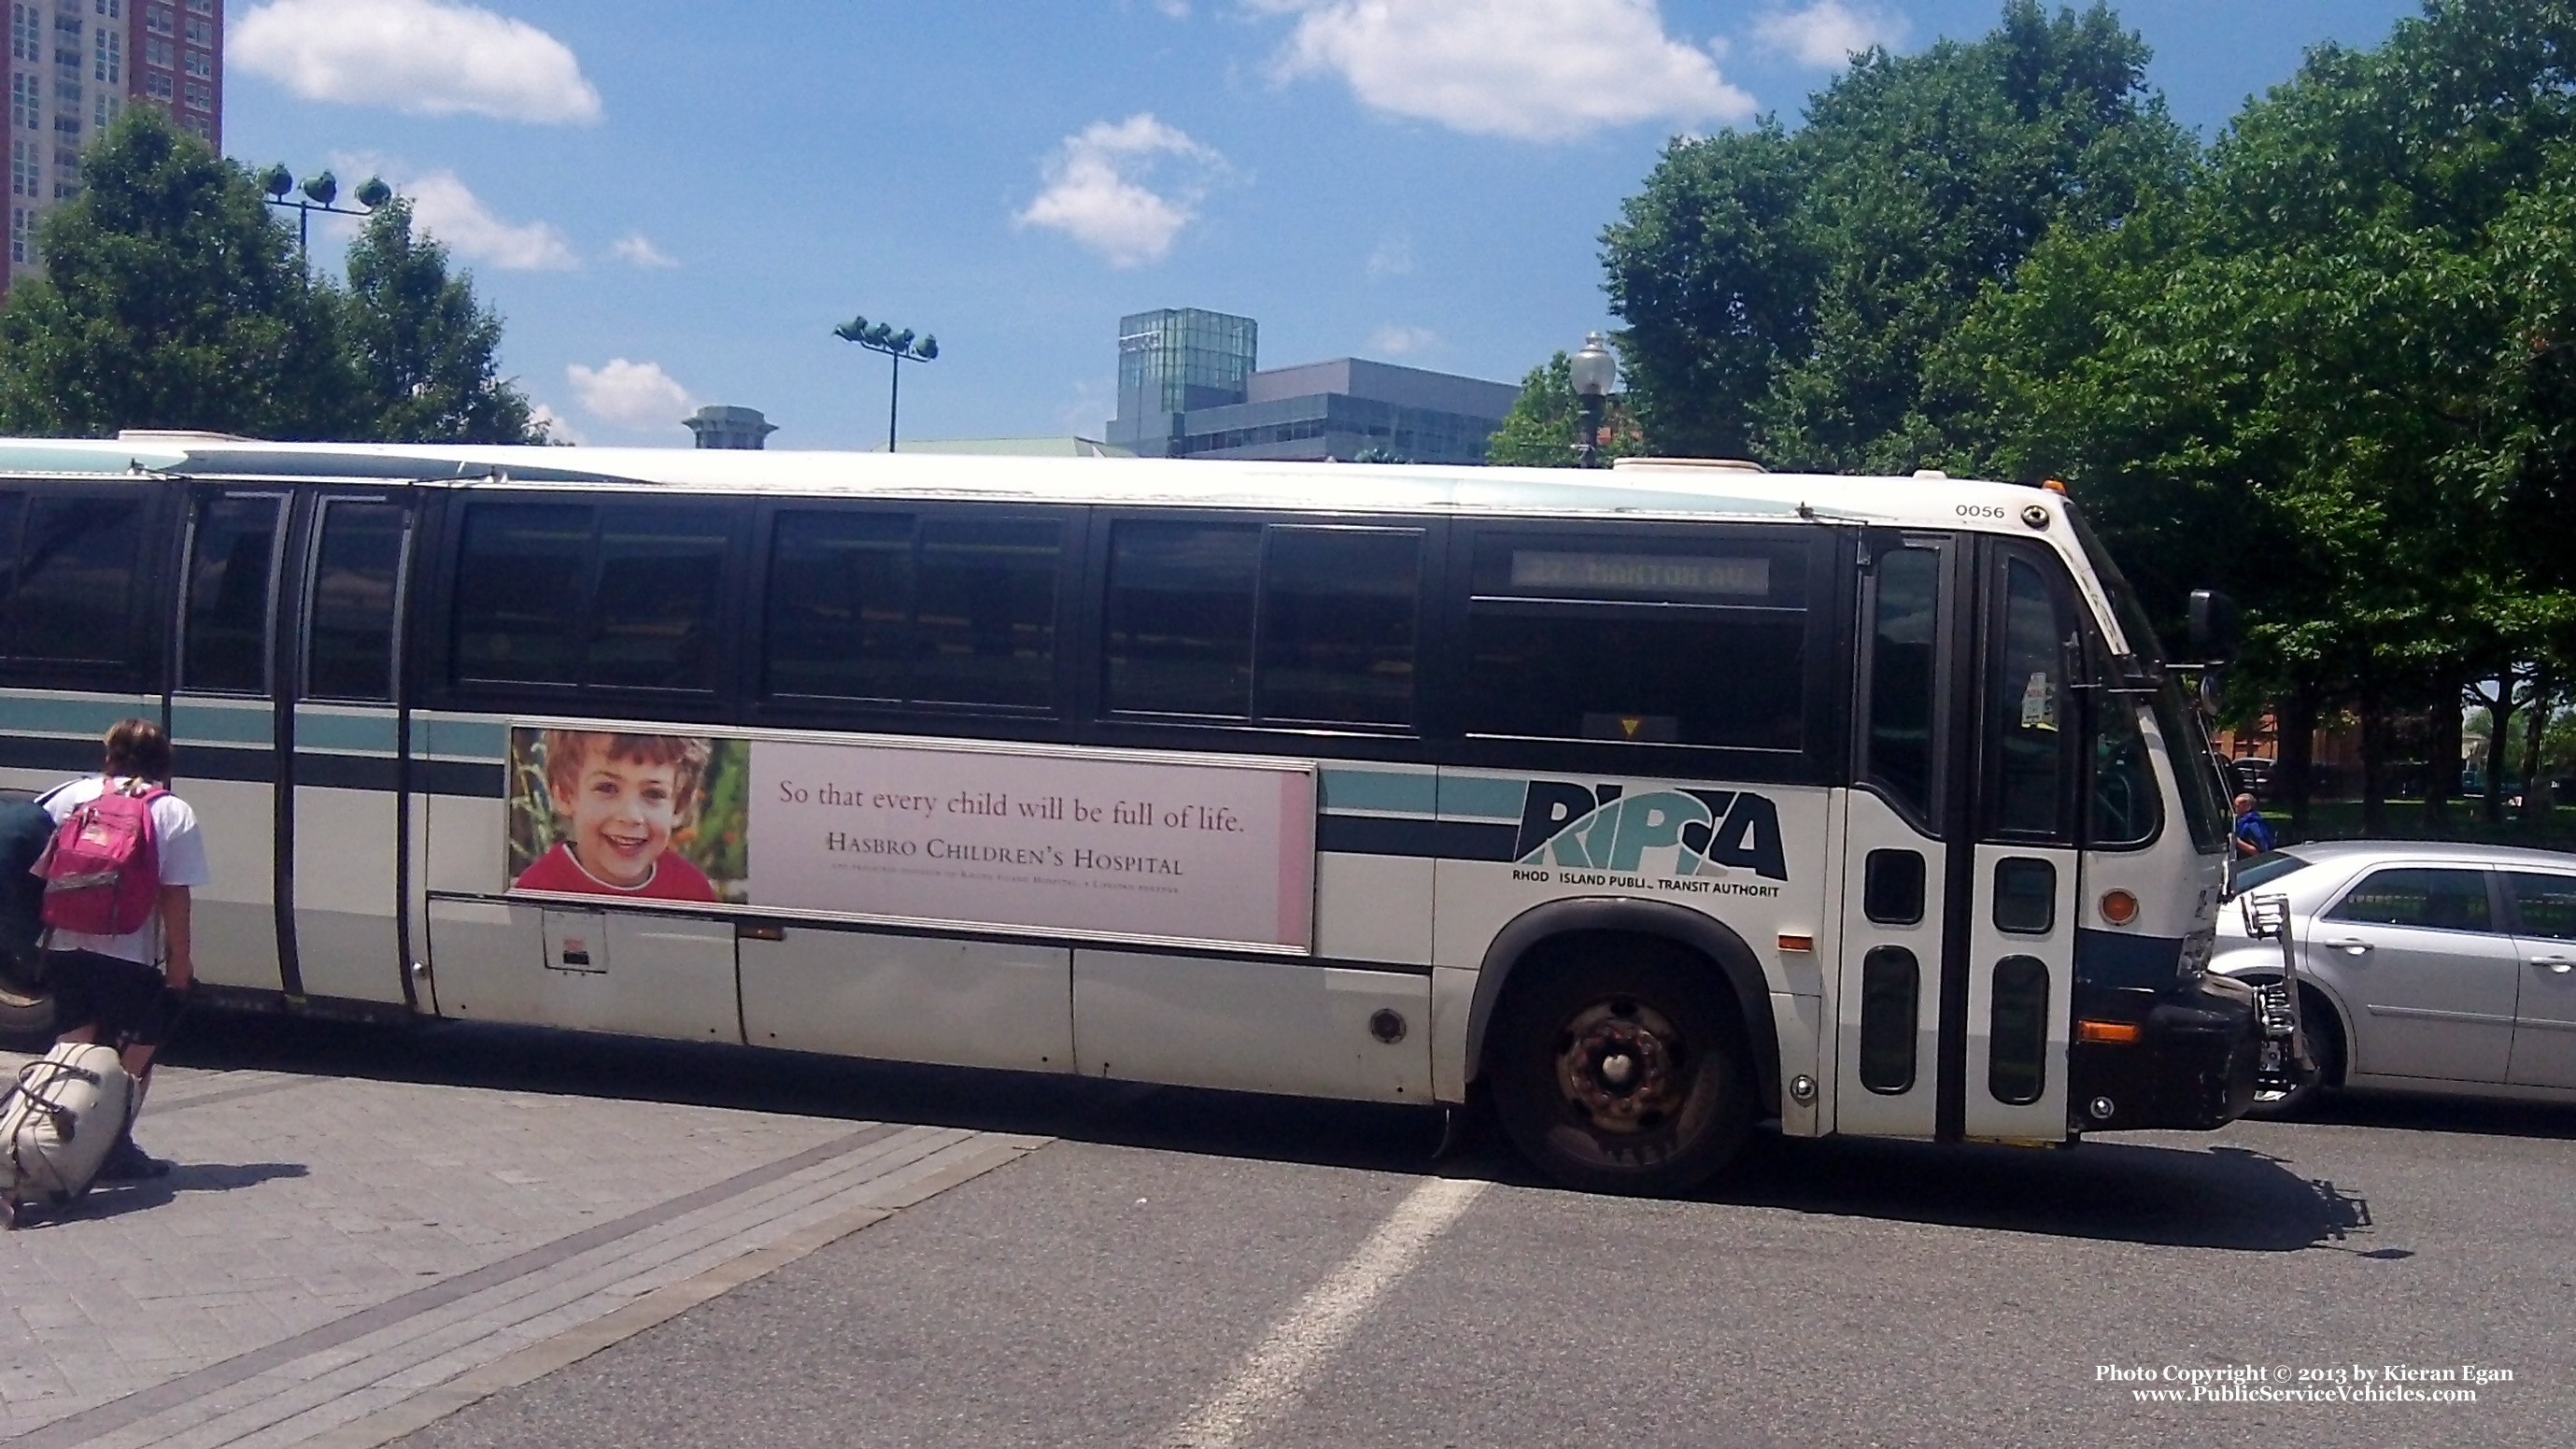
x,y
2428,967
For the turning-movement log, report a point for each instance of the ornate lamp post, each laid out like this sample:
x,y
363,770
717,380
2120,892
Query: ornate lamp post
x,y
1594,371
319,192
899,349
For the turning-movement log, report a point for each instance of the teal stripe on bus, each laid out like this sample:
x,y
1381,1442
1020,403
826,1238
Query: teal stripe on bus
x,y
1481,797
464,739
68,715
1380,790
373,733
251,722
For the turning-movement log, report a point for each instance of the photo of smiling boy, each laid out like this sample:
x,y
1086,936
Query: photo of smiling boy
x,y
619,801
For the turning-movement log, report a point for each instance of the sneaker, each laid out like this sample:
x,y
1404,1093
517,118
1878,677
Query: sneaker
x,y
129,1163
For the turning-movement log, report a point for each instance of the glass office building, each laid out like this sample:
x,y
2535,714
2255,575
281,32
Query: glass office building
x,y
1180,358
1188,388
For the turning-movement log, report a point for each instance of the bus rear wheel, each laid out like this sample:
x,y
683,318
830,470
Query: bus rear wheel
x,y
1621,1073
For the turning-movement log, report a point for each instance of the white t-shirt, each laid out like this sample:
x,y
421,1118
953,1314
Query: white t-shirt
x,y
183,863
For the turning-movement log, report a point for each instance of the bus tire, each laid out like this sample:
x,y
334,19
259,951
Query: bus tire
x,y
1622,1070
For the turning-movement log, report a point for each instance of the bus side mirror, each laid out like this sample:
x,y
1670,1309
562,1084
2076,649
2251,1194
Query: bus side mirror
x,y
2215,633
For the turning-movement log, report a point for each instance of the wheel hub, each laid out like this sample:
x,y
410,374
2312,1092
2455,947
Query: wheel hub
x,y
1619,1065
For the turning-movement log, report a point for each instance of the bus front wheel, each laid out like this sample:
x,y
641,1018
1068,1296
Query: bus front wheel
x,y
1621,1072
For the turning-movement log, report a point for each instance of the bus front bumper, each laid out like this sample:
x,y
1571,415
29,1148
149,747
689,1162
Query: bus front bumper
x,y
2189,1065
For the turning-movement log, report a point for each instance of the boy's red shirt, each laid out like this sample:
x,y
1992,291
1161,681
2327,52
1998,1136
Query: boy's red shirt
x,y
674,878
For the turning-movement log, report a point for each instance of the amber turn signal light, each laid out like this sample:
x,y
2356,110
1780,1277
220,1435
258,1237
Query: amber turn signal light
x,y
1796,943
2118,1033
2119,907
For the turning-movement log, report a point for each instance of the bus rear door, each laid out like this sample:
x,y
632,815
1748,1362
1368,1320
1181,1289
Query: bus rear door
x,y
341,865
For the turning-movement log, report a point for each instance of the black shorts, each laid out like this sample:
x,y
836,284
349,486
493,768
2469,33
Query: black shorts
x,y
118,997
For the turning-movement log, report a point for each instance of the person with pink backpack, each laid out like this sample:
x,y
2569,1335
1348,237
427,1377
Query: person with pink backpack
x,y
124,855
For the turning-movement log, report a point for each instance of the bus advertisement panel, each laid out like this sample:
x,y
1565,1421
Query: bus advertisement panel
x,y
1009,839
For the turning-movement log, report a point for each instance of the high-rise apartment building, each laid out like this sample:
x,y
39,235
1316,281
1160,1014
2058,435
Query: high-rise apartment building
x,y
73,64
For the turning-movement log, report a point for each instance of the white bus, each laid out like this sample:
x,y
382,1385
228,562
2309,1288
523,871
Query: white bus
x,y
1652,804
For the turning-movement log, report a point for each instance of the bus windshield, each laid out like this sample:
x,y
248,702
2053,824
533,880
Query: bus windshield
x,y
2186,734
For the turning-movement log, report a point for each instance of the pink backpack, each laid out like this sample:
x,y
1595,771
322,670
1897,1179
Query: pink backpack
x,y
103,868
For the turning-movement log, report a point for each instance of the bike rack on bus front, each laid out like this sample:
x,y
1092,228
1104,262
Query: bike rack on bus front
x,y
2287,1064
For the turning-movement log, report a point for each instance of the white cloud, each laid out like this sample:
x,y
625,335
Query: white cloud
x,y
1096,192
557,430
427,57
449,210
631,394
1530,70
1392,257
1828,33
637,250
1396,340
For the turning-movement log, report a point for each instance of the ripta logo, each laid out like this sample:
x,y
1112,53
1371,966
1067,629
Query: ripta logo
x,y
1597,830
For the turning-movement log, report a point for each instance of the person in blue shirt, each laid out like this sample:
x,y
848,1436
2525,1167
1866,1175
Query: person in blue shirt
x,y
2253,834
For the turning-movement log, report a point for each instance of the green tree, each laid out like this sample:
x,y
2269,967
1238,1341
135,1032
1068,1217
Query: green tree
x,y
1788,294
425,352
2341,374
1539,431
169,300
1716,267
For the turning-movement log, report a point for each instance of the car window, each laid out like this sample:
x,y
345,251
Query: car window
x,y
2444,900
2255,870
2547,903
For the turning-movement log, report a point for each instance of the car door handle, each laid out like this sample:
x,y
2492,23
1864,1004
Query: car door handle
x,y
2348,943
2560,964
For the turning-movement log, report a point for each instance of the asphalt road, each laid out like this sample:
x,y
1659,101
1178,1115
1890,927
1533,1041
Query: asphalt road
x,y
1199,1268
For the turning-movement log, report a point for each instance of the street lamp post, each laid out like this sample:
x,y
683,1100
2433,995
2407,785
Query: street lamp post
x,y
1593,370
319,192
899,348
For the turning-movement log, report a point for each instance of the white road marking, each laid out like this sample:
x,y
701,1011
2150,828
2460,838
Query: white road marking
x,y
1273,1373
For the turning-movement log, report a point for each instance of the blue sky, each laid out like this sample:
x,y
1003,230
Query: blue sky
x,y
672,203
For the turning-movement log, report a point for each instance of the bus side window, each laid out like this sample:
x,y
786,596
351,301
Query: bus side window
x,y
1335,611
522,578
984,617
840,605
904,610
1904,611
350,644
659,596
232,554
71,600
1180,619
1339,610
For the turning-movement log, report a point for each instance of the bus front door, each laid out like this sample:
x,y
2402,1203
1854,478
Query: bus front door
x,y
1959,870
2019,891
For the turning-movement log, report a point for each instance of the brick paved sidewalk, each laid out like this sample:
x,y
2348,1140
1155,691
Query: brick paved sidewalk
x,y
339,1260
